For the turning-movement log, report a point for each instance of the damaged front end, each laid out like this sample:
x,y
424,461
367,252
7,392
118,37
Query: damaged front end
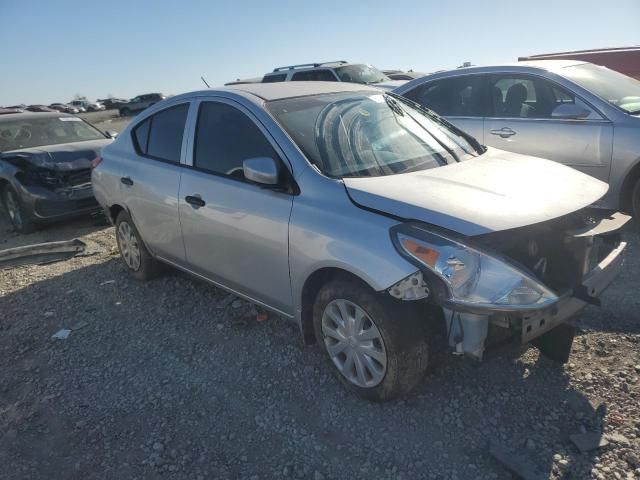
x,y
520,283
53,185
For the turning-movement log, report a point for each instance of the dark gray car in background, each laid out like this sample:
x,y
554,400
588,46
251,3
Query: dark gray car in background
x,y
576,113
45,167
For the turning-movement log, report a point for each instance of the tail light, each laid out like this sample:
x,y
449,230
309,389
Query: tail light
x,y
96,161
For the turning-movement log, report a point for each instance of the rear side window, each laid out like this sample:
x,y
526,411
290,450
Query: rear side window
x,y
274,78
225,138
457,96
314,76
160,136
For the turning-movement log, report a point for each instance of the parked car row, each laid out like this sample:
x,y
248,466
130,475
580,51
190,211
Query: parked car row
x,y
364,217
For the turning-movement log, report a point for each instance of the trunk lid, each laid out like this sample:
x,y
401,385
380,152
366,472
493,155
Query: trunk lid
x,y
497,191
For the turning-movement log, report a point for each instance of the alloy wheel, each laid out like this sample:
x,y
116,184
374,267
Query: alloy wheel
x,y
129,247
354,343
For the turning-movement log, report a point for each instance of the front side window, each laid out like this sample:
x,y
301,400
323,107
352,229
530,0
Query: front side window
x,y
614,87
29,132
225,138
515,96
456,96
160,135
369,134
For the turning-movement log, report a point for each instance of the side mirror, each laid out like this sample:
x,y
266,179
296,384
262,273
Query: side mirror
x,y
263,170
110,134
569,111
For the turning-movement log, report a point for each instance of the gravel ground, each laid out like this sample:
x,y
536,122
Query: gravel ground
x,y
176,379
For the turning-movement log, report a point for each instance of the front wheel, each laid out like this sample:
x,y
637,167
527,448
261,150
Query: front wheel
x,y
19,218
140,264
376,346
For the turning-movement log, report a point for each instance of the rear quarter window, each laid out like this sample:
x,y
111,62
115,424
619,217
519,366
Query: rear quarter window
x,y
160,136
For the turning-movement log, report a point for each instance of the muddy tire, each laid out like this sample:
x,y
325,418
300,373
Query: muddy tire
x,y
375,345
139,262
16,213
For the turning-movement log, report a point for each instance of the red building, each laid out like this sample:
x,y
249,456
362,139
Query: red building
x,y
624,59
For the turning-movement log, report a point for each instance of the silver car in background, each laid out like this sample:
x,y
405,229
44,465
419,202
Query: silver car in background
x,y
576,113
369,222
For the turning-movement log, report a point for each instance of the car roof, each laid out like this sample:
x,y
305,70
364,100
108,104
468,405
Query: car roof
x,y
548,65
280,90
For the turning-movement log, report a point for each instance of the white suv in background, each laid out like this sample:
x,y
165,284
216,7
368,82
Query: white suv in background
x,y
336,71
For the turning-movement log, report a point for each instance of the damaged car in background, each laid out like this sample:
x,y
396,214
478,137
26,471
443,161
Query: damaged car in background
x,y
45,167
365,218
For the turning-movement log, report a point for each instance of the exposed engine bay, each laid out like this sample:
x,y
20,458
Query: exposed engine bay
x,y
568,254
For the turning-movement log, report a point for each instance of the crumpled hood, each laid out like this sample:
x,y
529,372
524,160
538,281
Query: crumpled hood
x,y
497,191
62,157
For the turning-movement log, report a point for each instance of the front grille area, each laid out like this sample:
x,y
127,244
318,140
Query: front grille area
x,y
55,179
53,208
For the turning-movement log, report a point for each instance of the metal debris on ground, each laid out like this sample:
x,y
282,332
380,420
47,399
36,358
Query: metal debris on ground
x,y
588,441
107,282
41,253
61,334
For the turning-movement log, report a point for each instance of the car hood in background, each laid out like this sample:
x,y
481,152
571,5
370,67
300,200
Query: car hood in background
x,y
62,157
497,191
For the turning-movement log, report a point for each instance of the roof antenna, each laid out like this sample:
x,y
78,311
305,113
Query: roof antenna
x,y
205,82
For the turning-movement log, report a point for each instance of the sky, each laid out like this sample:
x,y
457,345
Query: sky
x,y
53,50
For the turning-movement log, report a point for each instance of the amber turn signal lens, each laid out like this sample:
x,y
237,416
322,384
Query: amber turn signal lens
x,y
426,254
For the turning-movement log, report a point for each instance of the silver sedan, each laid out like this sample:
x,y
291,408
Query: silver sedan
x,y
576,113
367,221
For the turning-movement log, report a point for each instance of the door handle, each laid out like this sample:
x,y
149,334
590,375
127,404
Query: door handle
x,y
195,201
504,132
126,181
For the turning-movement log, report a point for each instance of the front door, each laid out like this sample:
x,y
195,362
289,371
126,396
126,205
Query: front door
x,y
521,120
235,232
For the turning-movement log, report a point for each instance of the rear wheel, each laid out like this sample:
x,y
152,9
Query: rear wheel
x,y
16,213
140,264
376,346
125,112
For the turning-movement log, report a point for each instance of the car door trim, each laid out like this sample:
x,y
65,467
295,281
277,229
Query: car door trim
x,y
289,316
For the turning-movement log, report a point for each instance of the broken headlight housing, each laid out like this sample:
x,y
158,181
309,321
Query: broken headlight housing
x,y
473,279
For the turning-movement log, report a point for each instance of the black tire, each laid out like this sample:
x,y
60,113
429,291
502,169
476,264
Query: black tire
x,y
125,112
148,267
405,336
635,205
17,215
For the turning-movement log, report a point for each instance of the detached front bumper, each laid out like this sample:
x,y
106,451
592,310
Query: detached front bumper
x,y
594,283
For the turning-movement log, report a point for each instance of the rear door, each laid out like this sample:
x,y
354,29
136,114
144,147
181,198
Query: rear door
x,y
151,180
460,99
235,232
521,120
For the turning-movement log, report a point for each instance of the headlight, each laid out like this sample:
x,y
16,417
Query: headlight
x,y
472,277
